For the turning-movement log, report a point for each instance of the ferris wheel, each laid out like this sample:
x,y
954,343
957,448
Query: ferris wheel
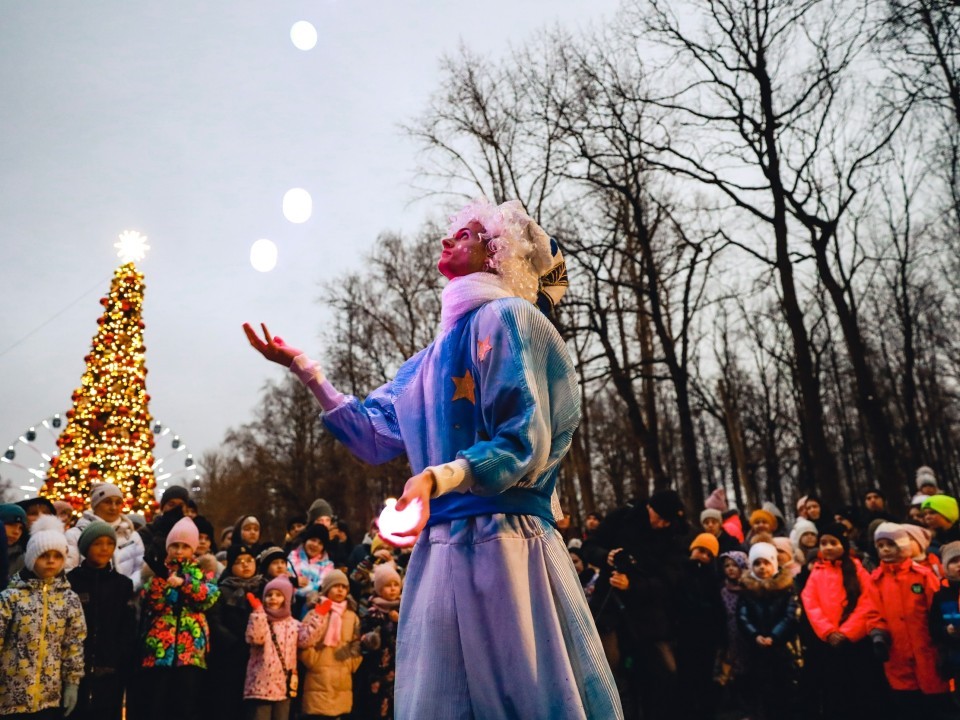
x,y
24,465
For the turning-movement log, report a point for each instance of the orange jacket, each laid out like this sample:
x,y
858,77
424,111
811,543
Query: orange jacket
x,y
904,594
824,600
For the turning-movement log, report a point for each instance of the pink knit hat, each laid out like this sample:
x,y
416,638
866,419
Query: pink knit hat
x,y
281,583
184,531
920,534
717,500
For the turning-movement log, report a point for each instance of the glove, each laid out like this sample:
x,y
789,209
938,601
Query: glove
x,y
69,698
881,647
324,607
254,602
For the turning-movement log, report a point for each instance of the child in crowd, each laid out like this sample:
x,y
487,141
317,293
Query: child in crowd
x,y
700,630
767,617
945,617
15,526
786,557
106,505
331,637
42,631
711,521
732,565
247,532
920,539
309,560
174,605
761,521
361,577
379,644
272,633
904,592
803,536
587,574
228,626
839,605
109,607
206,556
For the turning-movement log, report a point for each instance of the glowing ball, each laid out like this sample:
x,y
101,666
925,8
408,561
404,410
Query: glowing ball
x,y
263,255
303,35
297,205
393,522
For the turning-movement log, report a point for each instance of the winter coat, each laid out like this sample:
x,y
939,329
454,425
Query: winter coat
x,y
127,558
825,599
228,626
944,612
109,608
16,557
266,678
176,621
903,593
311,569
42,631
328,684
769,608
378,640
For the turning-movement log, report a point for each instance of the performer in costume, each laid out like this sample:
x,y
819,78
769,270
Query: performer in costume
x,y
493,622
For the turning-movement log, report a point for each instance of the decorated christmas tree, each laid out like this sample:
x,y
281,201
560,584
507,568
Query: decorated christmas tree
x,y
107,436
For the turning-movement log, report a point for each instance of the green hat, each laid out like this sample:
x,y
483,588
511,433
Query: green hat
x,y
945,505
11,513
96,529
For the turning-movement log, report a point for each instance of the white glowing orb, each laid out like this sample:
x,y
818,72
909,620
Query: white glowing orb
x,y
392,522
303,35
263,255
132,246
297,205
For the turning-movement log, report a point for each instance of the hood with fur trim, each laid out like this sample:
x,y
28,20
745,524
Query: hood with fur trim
x,y
779,583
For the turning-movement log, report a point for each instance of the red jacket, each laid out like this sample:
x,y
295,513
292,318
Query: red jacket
x,y
904,594
824,600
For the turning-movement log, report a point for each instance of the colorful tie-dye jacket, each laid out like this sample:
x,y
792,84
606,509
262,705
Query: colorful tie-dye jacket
x,y
42,630
178,634
498,390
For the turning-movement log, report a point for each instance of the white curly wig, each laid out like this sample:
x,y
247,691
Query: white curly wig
x,y
520,248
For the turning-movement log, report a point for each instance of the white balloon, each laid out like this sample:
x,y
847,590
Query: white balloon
x,y
392,522
263,255
297,205
303,35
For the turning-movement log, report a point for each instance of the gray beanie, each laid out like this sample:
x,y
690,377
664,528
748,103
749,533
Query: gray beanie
x,y
949,551
711,513
319,508
96,529
334,577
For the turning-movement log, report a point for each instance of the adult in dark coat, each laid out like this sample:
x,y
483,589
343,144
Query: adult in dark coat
x,y
640,550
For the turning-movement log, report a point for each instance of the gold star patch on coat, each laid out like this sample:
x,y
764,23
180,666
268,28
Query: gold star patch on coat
x,y
465,388
483,347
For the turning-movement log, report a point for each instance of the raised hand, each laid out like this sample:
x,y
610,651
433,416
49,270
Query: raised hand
x,y
272,348
324,607
254,602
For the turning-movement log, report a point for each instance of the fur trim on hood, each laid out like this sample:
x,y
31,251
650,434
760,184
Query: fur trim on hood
x,y
779,583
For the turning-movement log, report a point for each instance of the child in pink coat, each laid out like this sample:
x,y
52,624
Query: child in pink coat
x,y
272,669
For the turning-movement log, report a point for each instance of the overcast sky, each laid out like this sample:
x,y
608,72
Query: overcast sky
x,y
188,121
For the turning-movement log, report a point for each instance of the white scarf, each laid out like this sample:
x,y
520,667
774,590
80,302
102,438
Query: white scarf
x,y
464,294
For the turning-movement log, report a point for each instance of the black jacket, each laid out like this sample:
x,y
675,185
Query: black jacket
x,y
109,607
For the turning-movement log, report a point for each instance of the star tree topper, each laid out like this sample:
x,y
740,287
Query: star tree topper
x,y
132,246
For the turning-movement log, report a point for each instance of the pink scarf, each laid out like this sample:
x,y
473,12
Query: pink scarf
x,y
332,637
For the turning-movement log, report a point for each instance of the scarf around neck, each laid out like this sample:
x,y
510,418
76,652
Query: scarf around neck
x,y
464,294
332,636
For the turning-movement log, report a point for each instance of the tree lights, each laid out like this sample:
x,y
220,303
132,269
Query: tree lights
x,y
107,436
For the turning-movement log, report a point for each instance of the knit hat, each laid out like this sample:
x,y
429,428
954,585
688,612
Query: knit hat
x,y
943,504
283,585
174,492
235,551
62,506
949,551
764,514
96,529
137,519
765,551
11,513
205,527
925,476
317,531
783,544
838,531
707,542
738,556
184,531
268,556
45,535
318,508
711,513
717,500
384,573
30,502
800,528
101,491
894,532
334,577
918,499
775,511
801,503
668,505
920,534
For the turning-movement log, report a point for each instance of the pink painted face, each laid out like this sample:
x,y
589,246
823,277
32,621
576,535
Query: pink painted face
x,y
463,252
